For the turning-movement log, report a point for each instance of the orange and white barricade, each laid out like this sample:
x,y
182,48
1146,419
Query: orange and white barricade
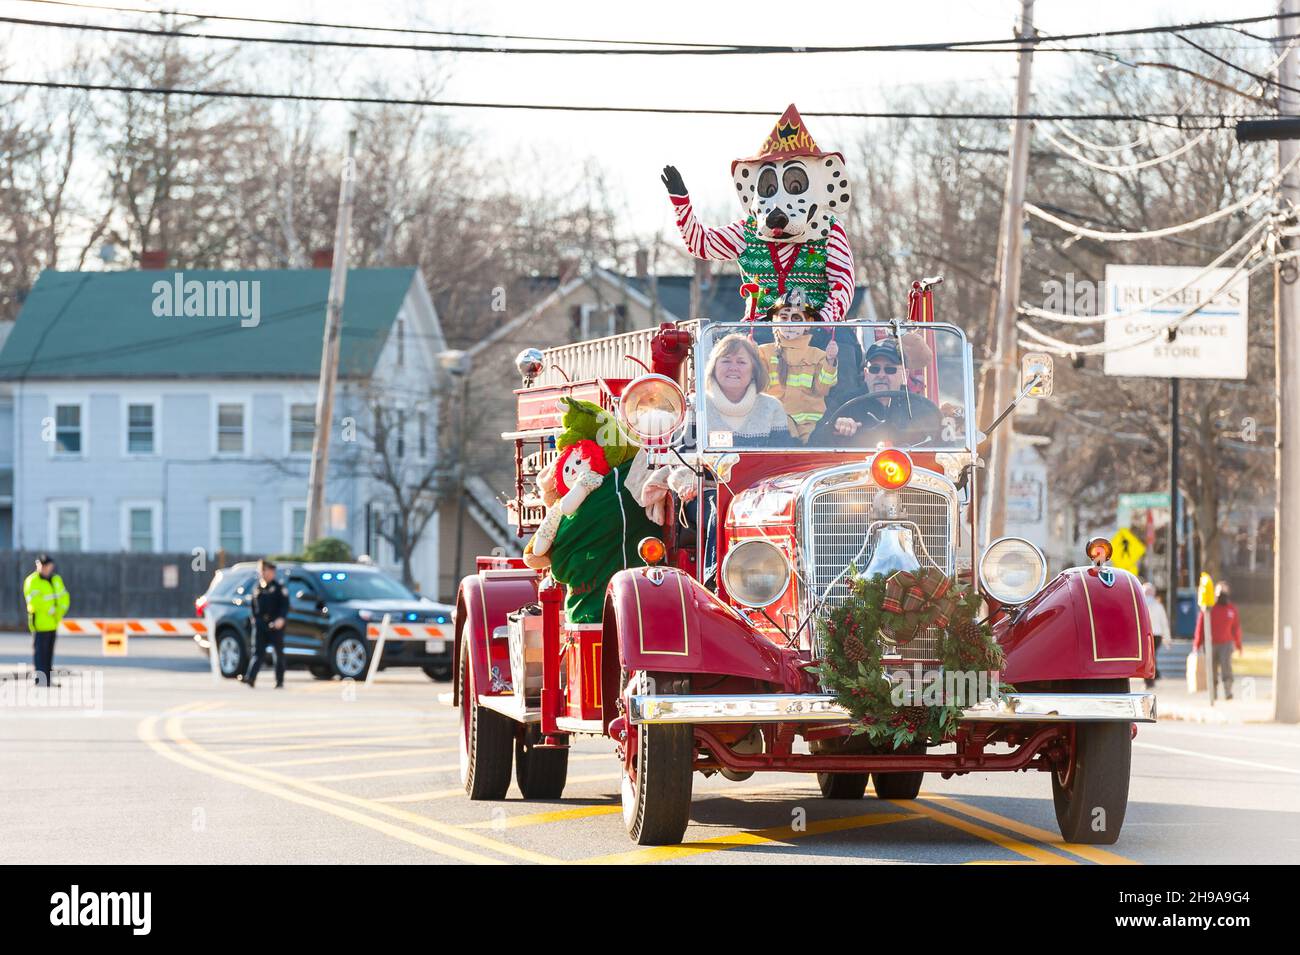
x,y
133,626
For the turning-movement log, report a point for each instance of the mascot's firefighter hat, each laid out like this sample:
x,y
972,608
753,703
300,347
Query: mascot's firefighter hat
x,y
792,173
788,138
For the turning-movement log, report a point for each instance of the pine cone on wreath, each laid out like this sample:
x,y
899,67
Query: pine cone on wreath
x,y
913,714
854,649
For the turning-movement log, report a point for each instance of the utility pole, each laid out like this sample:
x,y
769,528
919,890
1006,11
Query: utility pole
x,y
329,359
1012,233
1171,594
1286,313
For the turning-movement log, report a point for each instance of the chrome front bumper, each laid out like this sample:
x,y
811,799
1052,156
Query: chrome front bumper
x,y
821,708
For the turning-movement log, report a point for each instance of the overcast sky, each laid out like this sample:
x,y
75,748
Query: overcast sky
x,y
633,148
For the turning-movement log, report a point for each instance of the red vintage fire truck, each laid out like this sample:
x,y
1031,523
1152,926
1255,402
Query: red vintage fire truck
x,y
703,659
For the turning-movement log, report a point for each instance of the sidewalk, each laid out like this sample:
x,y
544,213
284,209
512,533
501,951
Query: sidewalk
x,y
1252,701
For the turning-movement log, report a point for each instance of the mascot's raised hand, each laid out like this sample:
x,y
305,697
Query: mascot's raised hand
x,y
672,180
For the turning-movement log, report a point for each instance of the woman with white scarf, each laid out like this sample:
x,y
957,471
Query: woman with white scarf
x,y
734,382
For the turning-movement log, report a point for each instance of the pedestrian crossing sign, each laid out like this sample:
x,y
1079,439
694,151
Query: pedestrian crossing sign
x,y
1126,550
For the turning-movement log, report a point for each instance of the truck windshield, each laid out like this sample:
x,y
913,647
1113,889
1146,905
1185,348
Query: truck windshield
x,y
793,385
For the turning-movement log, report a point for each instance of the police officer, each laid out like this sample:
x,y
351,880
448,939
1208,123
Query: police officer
x,y
47,603
269,604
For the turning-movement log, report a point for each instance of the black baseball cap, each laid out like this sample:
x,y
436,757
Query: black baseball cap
x,y
44,559
886,348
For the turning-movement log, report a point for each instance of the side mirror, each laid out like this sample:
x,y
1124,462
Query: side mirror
x,y
1036,365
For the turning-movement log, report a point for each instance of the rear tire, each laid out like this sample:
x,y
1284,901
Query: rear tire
x,y
897,785
1091,809
232,653
657,803
321,672
439,673
842,785
486,742
540,773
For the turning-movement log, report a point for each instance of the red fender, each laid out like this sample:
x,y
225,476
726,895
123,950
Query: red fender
x,y
664,620
482,603
1078,628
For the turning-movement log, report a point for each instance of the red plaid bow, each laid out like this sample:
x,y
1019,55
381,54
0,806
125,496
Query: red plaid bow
x,y
926,594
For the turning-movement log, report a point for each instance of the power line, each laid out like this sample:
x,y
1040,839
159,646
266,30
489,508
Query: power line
x,y
366,28
1220,118
1125,236
1258,77
1003,44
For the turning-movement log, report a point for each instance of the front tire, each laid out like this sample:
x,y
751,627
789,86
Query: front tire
x,y
842,785
657,800
232,653
350,656
1091,797
486,742
540,773
437,673
321,672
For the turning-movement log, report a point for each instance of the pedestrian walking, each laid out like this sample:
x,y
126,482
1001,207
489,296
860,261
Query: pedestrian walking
x,y
1225,625
1159,624
47,604
269,604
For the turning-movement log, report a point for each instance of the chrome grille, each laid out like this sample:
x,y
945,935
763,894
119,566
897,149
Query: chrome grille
x,y
840,519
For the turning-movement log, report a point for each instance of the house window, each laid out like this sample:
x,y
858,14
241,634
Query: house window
x,y
297,528
67,429
302,428
424,436
401,434
230,429
139,429
139,529
401,342
230,529
69,527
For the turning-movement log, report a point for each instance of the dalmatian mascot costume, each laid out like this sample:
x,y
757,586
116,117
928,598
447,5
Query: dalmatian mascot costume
x,y
790,237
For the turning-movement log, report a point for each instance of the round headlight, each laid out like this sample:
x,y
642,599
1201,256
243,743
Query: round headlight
x,y
652,408
1012,570
755,573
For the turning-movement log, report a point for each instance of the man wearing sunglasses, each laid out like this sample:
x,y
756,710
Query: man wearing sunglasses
x,y
882,410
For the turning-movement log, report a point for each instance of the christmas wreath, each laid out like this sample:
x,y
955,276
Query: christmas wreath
x,y
898,609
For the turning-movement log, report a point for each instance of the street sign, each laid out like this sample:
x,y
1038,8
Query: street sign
x,y
1209,344
1126,550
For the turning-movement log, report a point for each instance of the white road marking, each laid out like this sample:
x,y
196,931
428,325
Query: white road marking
x,y
1220,759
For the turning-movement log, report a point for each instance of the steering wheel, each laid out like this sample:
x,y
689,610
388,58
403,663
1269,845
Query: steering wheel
x,y
880,411
878,398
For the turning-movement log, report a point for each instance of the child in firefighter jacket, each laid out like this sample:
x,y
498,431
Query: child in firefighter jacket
x,y
799,374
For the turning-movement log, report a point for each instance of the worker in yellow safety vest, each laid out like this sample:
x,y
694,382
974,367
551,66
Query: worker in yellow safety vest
x,y
47,603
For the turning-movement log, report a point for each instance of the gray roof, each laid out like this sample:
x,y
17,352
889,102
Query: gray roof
x,y
103,325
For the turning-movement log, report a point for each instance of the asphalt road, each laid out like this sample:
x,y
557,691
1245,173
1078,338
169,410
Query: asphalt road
x,y
167,766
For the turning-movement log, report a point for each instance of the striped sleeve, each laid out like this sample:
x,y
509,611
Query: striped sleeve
x,y
722,244
839,275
